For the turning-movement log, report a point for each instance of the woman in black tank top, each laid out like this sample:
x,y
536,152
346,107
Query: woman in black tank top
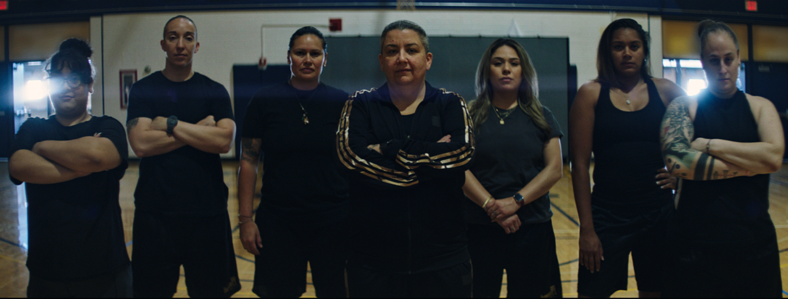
x,y
617,116
722,144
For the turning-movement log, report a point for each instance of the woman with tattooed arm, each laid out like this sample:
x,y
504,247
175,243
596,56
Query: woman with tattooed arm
x,y
722,144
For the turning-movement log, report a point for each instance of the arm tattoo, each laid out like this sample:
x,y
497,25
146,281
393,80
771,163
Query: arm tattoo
x,y
711,174
678,130
131,124
700,169
251,149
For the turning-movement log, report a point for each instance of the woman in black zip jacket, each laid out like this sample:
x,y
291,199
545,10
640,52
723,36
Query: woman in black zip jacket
x,y
407,145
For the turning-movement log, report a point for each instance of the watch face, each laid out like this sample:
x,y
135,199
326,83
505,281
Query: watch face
x,y
518,197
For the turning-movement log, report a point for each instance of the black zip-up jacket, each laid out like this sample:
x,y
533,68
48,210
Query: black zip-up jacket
x,y
406,204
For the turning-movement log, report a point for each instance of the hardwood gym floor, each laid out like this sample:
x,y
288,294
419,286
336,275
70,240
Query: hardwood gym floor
x,y
13,232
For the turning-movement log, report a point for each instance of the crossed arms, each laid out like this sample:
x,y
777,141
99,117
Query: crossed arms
x,y
704,159
51,161
148,137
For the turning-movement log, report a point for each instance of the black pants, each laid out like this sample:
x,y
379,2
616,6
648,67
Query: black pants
x,y
202,244
642,234
114,285
452,282
280,269
528,256
749,270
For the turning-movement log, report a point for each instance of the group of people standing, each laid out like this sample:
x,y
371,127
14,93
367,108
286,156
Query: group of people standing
x,y
406,190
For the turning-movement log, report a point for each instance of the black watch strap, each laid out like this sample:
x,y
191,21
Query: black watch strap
x,y
172,121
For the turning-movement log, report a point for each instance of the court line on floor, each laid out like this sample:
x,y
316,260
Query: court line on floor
x,y
12,243
569,262
565,214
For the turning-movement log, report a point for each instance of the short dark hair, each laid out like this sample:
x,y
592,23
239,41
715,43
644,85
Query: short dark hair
x,y
402,25
308,30
708,26
606,71
75,55
164,33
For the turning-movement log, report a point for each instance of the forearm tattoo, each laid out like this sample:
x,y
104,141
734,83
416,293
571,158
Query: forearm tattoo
x,y
679,156
131,124
251,149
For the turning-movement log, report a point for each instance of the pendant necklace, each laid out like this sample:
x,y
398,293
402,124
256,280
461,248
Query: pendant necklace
x,y
505,114
305,116
625,94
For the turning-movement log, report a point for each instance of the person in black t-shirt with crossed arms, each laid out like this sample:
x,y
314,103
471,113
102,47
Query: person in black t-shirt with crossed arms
x,y
72,163
179,122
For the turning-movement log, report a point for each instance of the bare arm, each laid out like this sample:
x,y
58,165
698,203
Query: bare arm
x,y
550,175
27,166
478,194
474,190
502,208
581,133
212,139
667,90
681,159
761,157
146,142
87,154
247,178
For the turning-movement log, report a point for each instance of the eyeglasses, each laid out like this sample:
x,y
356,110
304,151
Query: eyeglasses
x,y
73,81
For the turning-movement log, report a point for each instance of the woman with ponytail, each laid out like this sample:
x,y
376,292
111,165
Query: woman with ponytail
x,y
72,163
722,144
517,161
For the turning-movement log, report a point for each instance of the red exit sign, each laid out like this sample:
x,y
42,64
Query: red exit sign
x,y
751,5
3,5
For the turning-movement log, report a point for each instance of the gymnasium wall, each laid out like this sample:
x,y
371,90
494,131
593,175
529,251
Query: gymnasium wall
x,y
131,41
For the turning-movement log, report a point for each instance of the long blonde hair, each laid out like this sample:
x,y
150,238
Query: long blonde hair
x,y
527,95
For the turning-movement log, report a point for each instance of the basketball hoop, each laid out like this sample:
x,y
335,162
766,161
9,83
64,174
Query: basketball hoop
x,y
406,4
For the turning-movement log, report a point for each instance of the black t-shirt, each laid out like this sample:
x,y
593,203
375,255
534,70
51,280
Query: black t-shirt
x,y
300,164
507,158
75,227
186,180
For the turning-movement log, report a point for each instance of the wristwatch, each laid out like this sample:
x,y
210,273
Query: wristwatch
x,y
518,198
172,121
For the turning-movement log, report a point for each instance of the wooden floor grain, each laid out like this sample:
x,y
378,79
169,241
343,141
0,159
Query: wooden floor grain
x,y
13,232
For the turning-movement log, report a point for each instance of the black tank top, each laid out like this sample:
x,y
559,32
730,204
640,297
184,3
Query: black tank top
x,y
627,154
730,210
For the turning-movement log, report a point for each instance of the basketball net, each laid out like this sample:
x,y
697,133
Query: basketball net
x,y
406,4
